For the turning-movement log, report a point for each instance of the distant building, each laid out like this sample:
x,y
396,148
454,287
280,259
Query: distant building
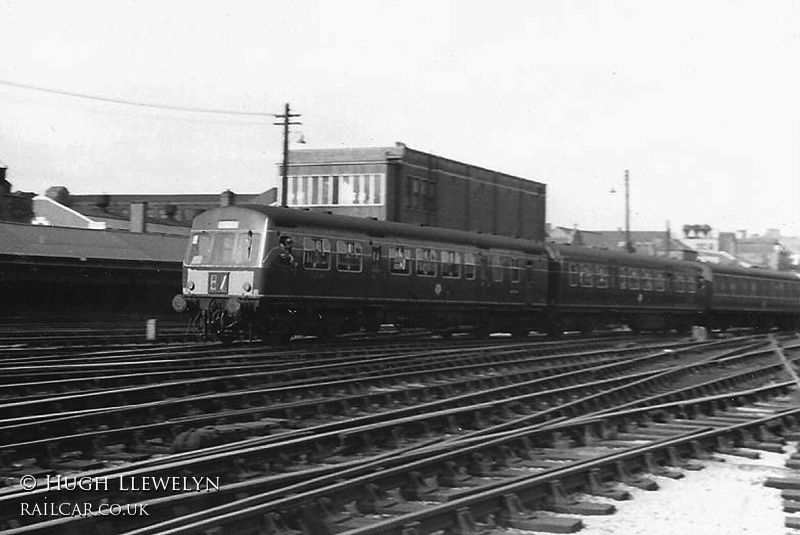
x,y
704,240
166,214
651,243
700,242
409,186
14,206
762,252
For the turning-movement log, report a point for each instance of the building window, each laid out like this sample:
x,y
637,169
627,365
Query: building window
x,y
328,190
421,194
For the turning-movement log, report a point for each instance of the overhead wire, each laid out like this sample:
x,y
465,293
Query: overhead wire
x,y
136,103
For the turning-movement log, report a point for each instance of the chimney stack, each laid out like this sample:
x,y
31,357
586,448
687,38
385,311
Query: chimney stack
x,y
5,186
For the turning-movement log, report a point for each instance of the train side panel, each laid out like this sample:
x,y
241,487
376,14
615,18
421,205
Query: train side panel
x,y
594,287
754,298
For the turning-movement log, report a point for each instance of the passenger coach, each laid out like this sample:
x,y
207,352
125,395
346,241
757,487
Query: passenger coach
x,y
753,297
257,270
594,287
284,271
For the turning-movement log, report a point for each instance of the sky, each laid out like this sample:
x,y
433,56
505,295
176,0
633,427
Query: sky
x,y
698,100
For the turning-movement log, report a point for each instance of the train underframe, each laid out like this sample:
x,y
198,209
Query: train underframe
x,y
758,321
249,319
225,320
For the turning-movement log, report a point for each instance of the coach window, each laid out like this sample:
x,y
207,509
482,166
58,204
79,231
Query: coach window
x,y
399,260
451,264
348,255
515,267
426,262
647,280
469,266
587,275
691,283
574,274
602,277
678,283
633,279
316,253
658,281
497,267
622,275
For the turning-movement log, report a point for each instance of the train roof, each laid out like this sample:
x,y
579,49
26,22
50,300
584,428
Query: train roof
x,y
18,239
293,217
756,272
589,254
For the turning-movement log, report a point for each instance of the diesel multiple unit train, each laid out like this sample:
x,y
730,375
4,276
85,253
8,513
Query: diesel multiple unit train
x,y
257,271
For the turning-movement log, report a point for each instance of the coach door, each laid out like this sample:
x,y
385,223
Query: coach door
x,y
484,284
530,282
376,272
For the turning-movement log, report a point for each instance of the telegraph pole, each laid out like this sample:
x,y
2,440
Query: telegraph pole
x,y
628,244
286,122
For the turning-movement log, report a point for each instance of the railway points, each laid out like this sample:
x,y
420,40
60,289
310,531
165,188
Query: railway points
x,y
477,437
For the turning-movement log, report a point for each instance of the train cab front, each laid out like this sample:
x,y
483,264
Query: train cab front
x,y
221,269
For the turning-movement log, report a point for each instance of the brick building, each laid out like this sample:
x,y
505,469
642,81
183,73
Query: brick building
x,y
409,186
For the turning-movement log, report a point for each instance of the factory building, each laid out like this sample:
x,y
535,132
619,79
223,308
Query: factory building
x,y
409,186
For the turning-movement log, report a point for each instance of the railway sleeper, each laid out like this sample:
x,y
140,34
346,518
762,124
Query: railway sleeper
x,y
326,518
379,501
652,466
13,467
748,440
725,446
559,501
597,487
516,516
624,476
791,506
69,460
114,452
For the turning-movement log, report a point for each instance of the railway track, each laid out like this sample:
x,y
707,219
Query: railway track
x,y
303,451
428,387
